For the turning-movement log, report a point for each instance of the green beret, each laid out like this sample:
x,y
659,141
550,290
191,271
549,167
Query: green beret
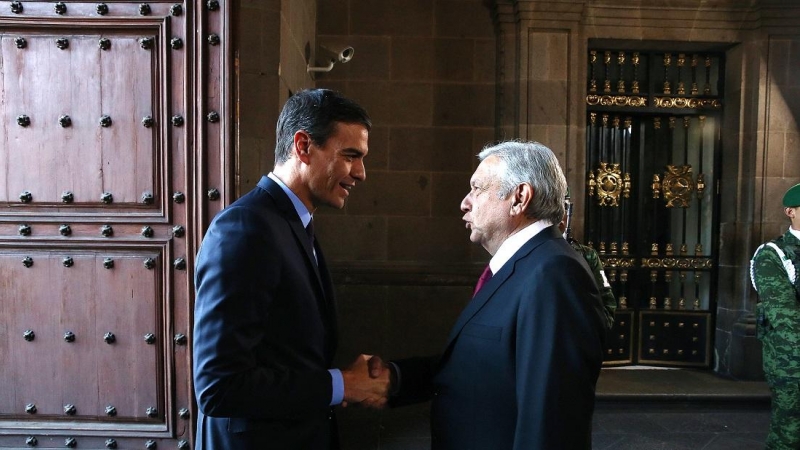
x,y
792,197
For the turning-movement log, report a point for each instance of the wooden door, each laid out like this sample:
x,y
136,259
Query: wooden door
x,y
111,119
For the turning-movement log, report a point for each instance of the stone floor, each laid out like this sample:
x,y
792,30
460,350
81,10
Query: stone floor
x,y
637,409
678,409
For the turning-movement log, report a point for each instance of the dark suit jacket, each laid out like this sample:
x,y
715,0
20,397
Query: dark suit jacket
x,y
521,363
265,330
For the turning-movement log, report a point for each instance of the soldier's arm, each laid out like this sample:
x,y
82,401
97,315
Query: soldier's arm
x,y
775,291
606,293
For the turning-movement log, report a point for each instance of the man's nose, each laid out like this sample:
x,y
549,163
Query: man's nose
x,y
466,205
358,171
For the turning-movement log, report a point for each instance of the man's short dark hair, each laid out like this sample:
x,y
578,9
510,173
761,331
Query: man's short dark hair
x,y
315,111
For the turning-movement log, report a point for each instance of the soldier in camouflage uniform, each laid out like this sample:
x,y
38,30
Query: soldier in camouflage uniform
x,y
591,257
774,272
606,293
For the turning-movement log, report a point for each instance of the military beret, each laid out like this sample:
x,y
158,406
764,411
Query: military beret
x,y
792,197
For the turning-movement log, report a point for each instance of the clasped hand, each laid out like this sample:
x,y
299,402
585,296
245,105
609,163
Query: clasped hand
x,y
366,382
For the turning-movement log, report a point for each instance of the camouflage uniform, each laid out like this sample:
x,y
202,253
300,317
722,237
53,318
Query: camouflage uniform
x,y
778,328
609,302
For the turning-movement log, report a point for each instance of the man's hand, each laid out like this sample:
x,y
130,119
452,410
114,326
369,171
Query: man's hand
x,y
377,367
366,381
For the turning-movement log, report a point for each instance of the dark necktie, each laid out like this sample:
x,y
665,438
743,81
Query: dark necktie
x,y
310,232
485,276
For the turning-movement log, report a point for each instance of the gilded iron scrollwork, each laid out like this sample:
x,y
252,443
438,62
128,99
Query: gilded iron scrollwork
x,y
689,103
701,184
608,184
681,263
678,186
616,100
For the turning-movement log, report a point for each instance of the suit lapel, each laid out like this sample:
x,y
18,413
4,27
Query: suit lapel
x,y
488,290
285,206
330,305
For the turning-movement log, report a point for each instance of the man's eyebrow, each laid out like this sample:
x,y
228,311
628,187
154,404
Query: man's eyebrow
x,y
353,151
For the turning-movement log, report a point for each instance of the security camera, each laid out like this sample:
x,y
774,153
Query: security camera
x,y
340,54
331,54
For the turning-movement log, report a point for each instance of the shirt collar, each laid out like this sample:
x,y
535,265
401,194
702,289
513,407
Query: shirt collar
x,y
514,242
302,211
795,233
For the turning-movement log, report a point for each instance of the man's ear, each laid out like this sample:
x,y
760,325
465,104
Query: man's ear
x,y
790,212
521,198
302,145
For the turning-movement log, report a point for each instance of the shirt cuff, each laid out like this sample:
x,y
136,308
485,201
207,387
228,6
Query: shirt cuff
x,y
337,393
395,387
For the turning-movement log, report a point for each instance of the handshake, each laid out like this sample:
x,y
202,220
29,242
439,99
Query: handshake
x,y
367,382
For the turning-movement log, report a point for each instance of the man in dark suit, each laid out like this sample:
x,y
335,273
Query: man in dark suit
x,y
521,363
265,319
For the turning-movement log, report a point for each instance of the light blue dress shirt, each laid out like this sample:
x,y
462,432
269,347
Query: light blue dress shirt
x,y
305,217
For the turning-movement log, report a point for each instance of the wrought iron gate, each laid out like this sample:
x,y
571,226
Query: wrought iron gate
x,y
652,143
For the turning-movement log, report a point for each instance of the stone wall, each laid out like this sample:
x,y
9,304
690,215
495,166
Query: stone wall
x,y
273,44
425,71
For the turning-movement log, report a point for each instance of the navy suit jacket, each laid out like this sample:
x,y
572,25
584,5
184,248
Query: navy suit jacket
x,y
265,330
521,363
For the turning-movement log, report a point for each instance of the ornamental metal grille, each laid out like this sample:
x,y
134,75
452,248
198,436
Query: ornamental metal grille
x,y
652,150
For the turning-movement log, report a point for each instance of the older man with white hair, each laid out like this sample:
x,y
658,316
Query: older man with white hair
x,y
520,366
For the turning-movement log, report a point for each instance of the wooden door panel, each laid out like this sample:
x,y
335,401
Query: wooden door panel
x,y
129,146
92,371
130,361
85,83
166,178
30,371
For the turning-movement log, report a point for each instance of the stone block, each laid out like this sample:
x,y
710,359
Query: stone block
x,y
746,357
781,110
253,103
412,58
430,311
462,19
547,103
255,160
778,59
412,104
256,27
791,168
485,60
449,189
548,56
481,138
391,17
428,239
776,149
454,60
392,194
333,17
464,105
395,103
378,156
352,238
431,149
363,320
